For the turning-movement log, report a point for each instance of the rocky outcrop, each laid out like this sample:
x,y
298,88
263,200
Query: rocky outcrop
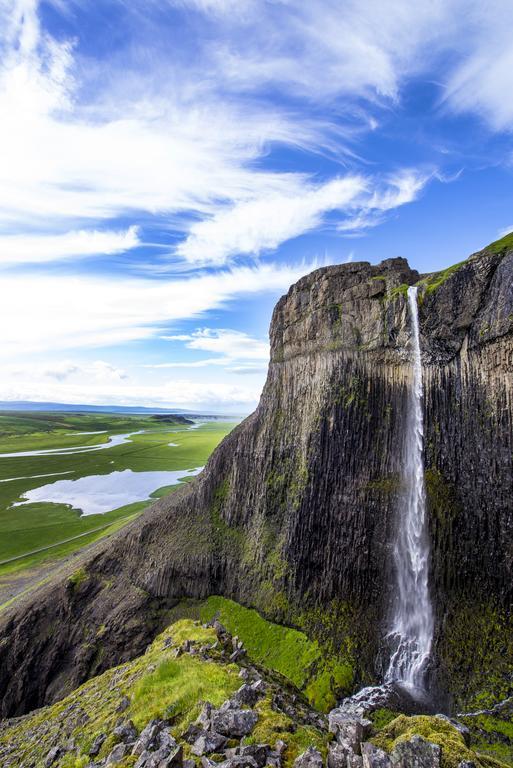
x,y
295,511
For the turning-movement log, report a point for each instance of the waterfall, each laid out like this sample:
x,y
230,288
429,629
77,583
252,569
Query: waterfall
x,y
411,631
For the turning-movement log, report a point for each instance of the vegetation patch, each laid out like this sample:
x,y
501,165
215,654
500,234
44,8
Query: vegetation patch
x,y
162,684
434,281
288,651
492,735
502,245
437,731
273,725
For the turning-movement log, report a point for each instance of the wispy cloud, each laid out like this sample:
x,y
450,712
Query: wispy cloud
x,y
34,249
63,312
232,346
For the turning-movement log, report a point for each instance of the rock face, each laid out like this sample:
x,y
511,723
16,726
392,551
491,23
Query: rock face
x,y
295,511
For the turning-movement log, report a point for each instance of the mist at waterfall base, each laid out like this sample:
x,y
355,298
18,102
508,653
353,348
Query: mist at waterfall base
x,y
411,626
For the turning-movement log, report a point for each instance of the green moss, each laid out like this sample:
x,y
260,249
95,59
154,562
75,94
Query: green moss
x,y
157,685
441,495
351,393
399,290
476,652
436,731
434,281
322,676
492,736
78,578
389,485
502,245
382,717
273,725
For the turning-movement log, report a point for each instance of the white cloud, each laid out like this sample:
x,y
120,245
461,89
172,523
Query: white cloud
x,y
233,346
32,249
189,393
167,151
66,370
264,223
58,312
505,231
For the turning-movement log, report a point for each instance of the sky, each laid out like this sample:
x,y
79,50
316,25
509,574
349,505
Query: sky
x,y
168,168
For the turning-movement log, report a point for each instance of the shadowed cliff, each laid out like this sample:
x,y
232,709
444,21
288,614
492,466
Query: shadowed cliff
x,y
295,511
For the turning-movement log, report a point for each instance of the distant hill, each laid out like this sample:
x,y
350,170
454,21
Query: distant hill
x,y
28,405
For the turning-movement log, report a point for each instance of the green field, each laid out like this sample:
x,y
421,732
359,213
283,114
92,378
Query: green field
x,y
48,526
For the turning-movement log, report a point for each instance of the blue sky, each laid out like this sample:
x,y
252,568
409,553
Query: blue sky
x,y
169,167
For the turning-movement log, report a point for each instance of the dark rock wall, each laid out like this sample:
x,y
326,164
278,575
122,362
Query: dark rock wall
x,y
295,511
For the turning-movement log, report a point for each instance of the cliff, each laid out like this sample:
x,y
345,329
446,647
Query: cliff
x,y
295,512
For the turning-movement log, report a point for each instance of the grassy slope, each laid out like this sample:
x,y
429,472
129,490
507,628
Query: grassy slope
x,y
24,529
319,675
158,685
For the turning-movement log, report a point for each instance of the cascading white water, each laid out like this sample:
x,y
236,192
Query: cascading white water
x,y
411,631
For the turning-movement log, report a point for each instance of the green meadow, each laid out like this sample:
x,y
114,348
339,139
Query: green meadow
x,y
48,527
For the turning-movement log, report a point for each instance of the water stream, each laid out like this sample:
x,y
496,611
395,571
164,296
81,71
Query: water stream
x,y
411,630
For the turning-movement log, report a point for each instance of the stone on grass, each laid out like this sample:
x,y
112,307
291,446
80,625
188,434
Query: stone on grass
x,y
118,753
309,759
259,753
54,754
234,723
460,727
208,742
204,718
125,732
97,744
337,755
349,730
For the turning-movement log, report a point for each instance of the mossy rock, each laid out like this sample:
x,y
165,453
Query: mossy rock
x,y
437,731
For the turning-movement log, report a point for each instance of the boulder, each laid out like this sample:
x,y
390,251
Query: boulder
x,y
208,742
167,756
234,723
247,695
416,753
373,757
239,761
205,716
349,730
259,752
118,753
309,759
54,754
337,755
97,744
125,732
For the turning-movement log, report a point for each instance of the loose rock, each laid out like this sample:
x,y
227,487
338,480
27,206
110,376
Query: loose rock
x,y
372,757
234,722
416,753
309,759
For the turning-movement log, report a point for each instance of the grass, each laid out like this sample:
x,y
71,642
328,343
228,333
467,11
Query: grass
x,y
39,525
434,281
504,244
158,685
285,650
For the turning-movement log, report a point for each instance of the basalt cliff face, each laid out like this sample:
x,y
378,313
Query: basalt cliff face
x,y
296,510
